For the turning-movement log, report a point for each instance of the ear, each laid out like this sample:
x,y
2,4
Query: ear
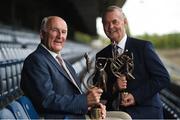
x,y
125,21
42,34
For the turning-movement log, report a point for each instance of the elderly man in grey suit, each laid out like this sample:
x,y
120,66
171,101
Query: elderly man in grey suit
x,y
51,82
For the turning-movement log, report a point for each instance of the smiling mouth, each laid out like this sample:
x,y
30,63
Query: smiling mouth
x,y
58,41
112,31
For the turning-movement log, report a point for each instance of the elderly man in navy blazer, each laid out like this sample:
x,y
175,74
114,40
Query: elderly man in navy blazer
x,y
54,90
142,100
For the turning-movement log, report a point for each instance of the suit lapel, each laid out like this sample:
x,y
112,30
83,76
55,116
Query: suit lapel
x,y
108,51
128,44
53,61
72,73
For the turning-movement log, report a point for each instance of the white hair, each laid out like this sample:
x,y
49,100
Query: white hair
x,y
44,23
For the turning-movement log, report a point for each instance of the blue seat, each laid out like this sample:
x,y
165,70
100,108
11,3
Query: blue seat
x,y
17,110
28,107
6,114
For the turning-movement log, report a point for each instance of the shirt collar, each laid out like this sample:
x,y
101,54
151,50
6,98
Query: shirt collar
x,y
52,53
122,42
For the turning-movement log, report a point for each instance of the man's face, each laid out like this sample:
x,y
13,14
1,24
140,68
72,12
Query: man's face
x,y
114,25
55,35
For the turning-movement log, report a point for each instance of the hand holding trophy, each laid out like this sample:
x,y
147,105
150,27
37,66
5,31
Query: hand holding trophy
x,y
122,67
98,110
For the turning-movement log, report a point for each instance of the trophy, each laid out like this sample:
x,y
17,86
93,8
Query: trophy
x,y
121,65
102,76
95,112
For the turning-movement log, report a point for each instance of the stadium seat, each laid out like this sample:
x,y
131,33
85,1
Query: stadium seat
x,y
6,114
28,107
17,110
3,82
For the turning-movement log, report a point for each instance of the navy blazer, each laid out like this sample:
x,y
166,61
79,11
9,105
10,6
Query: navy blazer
x,y
150,77
50,89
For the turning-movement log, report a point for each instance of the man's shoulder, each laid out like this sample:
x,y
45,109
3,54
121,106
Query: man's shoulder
x,y
138,42
34,55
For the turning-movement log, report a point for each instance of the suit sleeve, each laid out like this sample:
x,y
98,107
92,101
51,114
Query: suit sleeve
x,y
158,77
35,73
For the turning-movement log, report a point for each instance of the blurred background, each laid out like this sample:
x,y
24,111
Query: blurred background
x,y
153,20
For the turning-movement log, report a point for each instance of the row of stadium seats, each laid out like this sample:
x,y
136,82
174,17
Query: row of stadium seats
x,y
13,105
11,35
14,53
21,108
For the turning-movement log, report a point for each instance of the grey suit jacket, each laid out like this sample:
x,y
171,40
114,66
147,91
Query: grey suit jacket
x,y
49,87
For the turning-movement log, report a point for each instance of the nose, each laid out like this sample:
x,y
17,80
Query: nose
x,y
59,34
111,25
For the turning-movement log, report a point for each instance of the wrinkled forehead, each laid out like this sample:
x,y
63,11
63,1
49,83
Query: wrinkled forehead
x,y
56,22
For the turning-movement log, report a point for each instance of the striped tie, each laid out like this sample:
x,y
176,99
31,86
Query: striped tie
x,y
62,63
119,50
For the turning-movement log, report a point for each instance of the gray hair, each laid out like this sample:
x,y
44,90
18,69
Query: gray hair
x,y
113,8
44,23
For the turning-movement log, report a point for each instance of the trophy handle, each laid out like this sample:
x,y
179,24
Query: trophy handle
x,y
87,61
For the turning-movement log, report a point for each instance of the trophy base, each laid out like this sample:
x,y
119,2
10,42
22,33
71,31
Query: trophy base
x,y
95,113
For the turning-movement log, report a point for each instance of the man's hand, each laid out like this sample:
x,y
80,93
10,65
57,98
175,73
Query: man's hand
x,y
127,100
93,96
103,111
